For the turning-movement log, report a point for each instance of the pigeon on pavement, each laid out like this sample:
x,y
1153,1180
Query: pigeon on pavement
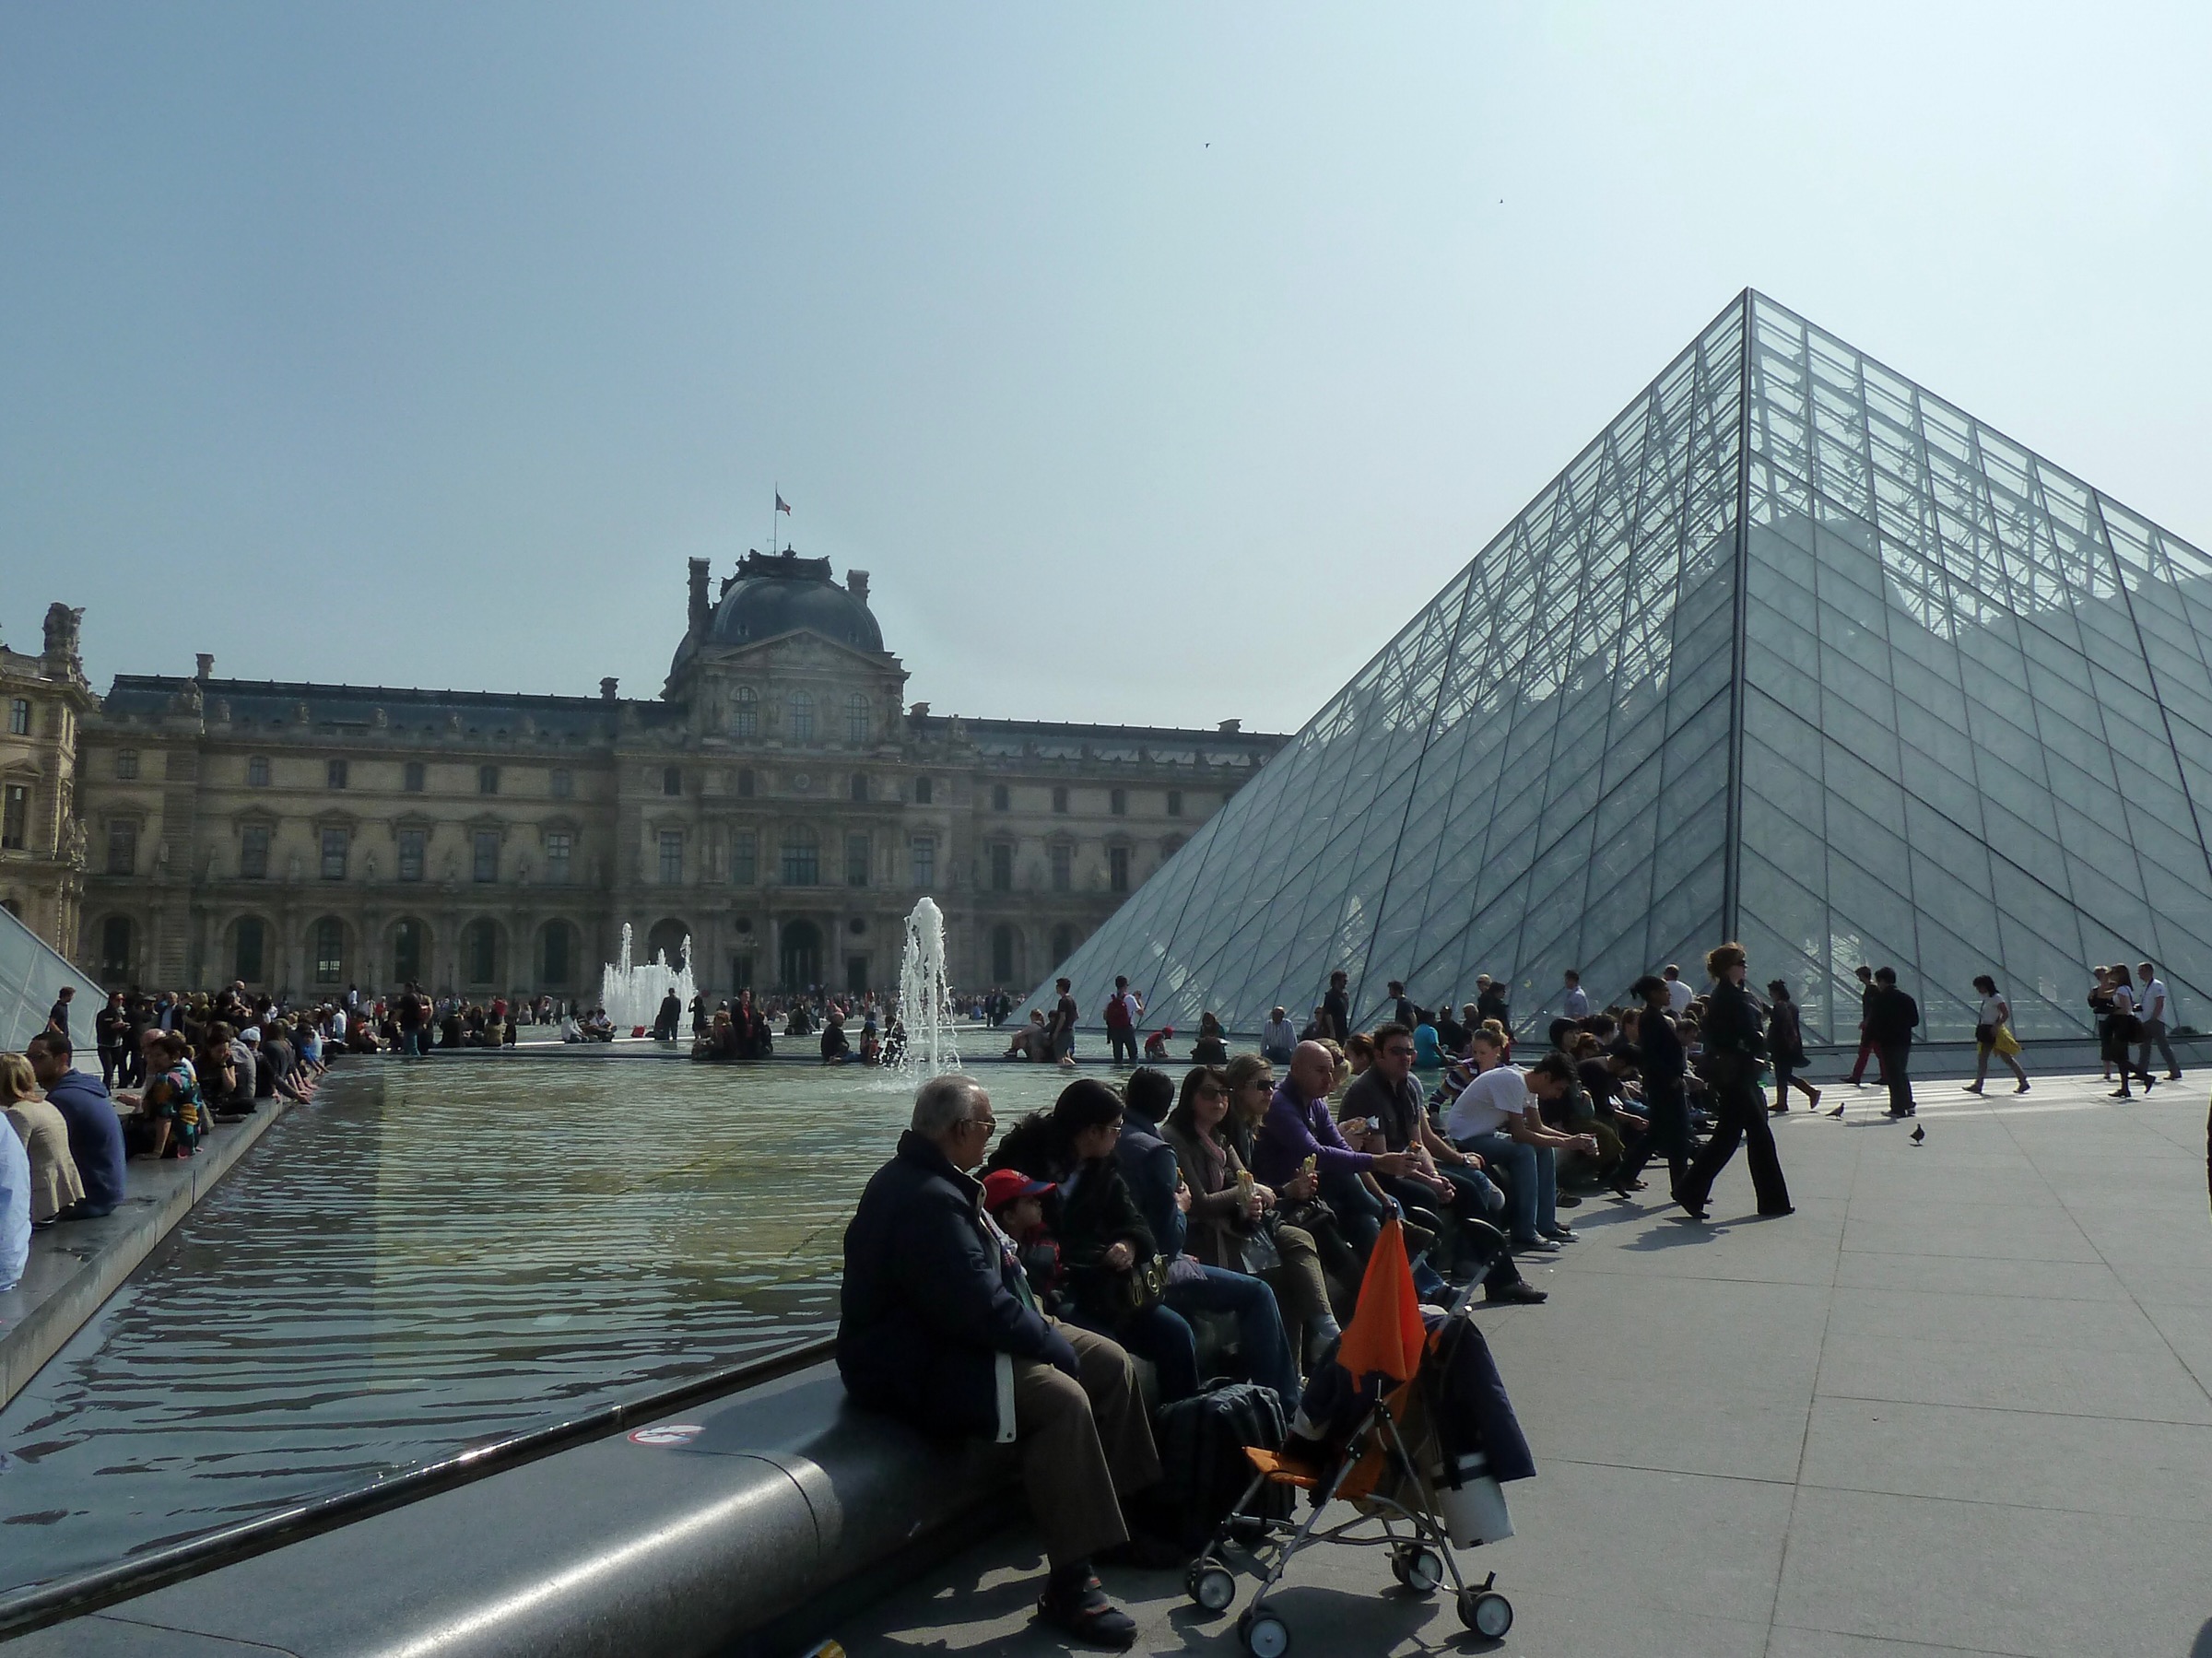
x,y
1919,1134
1836,1112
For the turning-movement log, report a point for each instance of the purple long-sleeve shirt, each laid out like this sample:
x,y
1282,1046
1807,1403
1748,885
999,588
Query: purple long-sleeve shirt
x,y
1294,1130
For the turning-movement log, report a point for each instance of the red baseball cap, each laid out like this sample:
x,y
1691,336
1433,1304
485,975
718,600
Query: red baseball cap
x,y
1002,1186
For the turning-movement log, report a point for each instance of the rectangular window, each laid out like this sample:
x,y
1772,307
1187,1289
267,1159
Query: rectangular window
x,y
19,717
254,852
407,952
334,774
564,785
1117,868
745,784
860,786
411,843
488,779
856,723
252,940
1063,868
115,948
414,777
856,975
126,763
1001,798
802,862
486,843
557,954
745,717
1174,803
558,845
1060,798
856,860
15,824
257,771
330,950
745,857
672,780
123,846
334,855
672,857
924,850
1002,868
922,790
1117,802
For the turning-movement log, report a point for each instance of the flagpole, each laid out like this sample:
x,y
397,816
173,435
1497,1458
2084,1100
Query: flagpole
x,y
772,520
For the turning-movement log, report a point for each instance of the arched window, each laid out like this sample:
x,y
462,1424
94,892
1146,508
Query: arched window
x,y
407,951
330,950
745,712
248,957
802,717
802,857
856,718
114,950
1064,943
557,960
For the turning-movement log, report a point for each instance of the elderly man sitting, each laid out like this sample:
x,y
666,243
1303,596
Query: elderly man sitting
x,y
934,1292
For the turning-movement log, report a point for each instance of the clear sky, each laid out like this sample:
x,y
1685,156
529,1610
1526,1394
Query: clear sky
x,y
1156,360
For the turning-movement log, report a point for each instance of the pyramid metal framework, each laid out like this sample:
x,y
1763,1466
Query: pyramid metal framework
x,y
1794,652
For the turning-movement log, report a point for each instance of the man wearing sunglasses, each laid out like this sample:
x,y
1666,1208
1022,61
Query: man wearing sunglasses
x,y
934,1294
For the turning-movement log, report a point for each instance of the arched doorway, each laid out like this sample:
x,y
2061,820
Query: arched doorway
x,y
118,952
481,954
410,950
559,954
1006,956
667,941
801,959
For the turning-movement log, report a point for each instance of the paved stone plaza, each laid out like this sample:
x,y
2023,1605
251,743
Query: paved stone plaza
x,y
1960,1403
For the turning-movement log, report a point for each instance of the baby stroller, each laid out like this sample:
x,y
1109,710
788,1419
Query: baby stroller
x,y
1419,1462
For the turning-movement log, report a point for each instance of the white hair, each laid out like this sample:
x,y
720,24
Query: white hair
x,y
942,1103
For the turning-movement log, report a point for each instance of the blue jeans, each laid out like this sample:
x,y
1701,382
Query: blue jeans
x,y
1160,1335
1531,1181
1260,1337
1359,1217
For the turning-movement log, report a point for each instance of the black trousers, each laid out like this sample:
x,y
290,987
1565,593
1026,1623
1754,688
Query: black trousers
x,y
1894,1058
1742,1111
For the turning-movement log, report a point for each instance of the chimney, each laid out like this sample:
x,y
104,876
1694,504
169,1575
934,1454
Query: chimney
x,y
606,689
1228,727
857,584
206,670
699,597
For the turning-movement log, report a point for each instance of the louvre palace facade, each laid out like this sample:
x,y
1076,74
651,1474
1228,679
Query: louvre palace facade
x,y
779,803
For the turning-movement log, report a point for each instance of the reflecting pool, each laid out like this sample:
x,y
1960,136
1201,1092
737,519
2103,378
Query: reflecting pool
x,y
439,1252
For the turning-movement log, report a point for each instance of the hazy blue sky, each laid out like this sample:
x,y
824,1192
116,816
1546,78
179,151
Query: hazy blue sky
x,y
1158,361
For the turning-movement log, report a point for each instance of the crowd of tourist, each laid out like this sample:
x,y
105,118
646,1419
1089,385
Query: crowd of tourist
x,y
1232,1211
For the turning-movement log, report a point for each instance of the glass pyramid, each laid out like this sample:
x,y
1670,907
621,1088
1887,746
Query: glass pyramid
x,y
1793,652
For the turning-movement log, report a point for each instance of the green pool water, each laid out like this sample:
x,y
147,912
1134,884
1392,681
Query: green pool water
x,y
437,1252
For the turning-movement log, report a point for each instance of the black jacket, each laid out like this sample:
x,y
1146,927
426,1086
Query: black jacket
x,y
1890,1017
928,1299
1732,1022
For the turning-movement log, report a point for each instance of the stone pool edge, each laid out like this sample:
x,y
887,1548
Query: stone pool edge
x,y
75,1267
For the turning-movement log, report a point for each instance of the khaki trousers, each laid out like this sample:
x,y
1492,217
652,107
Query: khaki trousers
x,y
1084,1445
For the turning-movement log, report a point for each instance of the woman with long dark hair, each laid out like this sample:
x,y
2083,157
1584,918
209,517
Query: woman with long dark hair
x,y
1993,1034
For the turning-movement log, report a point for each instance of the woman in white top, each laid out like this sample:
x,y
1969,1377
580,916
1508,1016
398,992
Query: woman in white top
x,y
1993,1025
2120,1035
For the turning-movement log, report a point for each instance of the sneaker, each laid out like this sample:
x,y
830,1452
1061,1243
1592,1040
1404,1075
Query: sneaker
x,y
1973,1087
2022,1089
1536,1246
1086,1615
2171,1076
1520,1292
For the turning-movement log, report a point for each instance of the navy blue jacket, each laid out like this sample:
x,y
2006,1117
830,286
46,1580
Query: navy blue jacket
x,y
928,1299
1148,1165
95,1137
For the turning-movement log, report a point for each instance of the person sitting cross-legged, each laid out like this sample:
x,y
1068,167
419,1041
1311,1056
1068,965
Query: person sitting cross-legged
x,y
933,1294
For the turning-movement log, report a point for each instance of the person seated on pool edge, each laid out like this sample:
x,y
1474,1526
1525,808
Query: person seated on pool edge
x,y
95,1130
933,1293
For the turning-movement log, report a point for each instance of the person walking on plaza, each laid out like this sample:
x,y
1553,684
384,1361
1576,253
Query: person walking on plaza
x,y
2120,1029
1869,1048
1336,1007
1891,1018
1123,1008
1993,1034
1665,1078
1490,1001
1734,1044
1785,1043
933,1307
1574,1001
57,1016
1064,1023
2151,1005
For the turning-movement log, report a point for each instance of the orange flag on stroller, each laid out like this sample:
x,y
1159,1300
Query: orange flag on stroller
x,y
1386,1333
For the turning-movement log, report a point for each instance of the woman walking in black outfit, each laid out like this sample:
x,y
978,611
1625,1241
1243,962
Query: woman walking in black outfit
x,y
1785,1041
1735,1043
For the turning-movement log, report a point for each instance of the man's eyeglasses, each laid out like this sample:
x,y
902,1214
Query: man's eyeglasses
x,y
988,1125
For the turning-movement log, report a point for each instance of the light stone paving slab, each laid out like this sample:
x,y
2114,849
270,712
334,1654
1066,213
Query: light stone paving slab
x,y
1957,1404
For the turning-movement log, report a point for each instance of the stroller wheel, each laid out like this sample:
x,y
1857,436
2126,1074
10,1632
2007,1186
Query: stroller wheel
x,y
1485,1612
1211,1585
1266,1635
1420,1568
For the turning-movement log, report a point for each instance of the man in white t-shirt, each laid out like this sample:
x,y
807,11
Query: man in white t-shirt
x,y
1677,992
2151,1014
1495,1117
1574,1001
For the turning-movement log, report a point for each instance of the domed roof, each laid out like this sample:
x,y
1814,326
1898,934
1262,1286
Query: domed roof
x,y
781,593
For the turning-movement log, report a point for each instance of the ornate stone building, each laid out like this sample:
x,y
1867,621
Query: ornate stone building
x,y
41,835
779,803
